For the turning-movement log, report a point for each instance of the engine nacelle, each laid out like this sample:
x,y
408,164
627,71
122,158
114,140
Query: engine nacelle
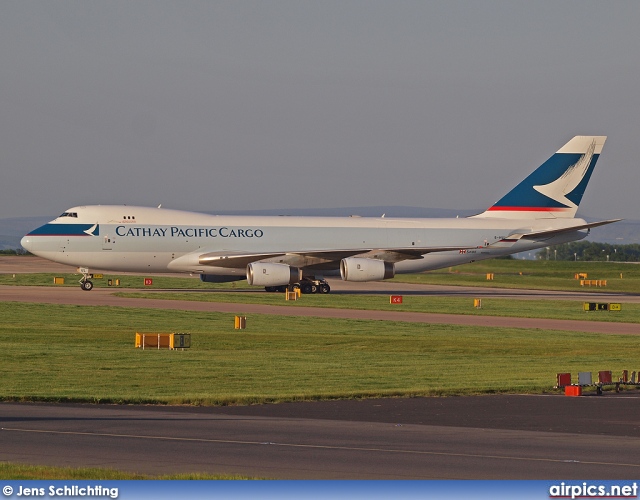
x,y
270,274
359,269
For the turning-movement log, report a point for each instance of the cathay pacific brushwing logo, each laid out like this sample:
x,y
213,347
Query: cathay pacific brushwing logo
x,y
569,180
92,230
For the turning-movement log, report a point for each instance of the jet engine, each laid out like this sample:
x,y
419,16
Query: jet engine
x,y
271,274
359,269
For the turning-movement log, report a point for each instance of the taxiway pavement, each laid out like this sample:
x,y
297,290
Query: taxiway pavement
x,y
484,437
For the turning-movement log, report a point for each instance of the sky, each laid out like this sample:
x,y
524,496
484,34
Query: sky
x,y
250,105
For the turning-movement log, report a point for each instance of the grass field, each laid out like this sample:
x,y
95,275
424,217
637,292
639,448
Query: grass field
x,y
539,274
10,471
72,353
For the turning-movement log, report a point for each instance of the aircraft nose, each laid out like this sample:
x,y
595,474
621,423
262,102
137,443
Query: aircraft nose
x,y
26,243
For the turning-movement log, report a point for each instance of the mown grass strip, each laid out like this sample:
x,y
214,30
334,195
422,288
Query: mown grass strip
x,y
13,471
72,353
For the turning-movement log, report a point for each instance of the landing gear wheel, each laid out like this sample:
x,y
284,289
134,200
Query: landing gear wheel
x,y
86,285
306,288
314,289
325,288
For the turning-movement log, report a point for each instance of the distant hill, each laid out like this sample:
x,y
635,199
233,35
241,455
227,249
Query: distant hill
x,y
622,233
392,211
12,230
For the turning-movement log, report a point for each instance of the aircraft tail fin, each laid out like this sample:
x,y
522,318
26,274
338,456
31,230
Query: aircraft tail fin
x,y
555,188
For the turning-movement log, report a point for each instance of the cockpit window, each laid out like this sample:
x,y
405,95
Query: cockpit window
x,y
69,214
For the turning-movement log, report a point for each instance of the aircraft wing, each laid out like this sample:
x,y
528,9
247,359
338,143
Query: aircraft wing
x,y
412,253
319,258
233,260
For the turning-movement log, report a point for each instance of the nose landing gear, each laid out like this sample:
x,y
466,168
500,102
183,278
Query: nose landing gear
x,y
85,282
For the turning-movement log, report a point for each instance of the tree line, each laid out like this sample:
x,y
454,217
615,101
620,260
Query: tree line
x,y
591,251
13,251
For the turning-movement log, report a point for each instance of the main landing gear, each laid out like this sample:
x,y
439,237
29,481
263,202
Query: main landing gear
x,y
306,285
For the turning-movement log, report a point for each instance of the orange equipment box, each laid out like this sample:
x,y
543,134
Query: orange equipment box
x,y
573,390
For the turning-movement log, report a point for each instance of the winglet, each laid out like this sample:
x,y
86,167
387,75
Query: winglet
x,y
555,189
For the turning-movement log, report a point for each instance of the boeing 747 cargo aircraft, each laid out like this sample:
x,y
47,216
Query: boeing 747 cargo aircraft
x,y
279,252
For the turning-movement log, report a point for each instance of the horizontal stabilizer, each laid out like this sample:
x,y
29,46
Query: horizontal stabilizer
x,y
548,233
553,232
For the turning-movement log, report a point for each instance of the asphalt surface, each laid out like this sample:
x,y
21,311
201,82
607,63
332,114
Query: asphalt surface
x,y
485,437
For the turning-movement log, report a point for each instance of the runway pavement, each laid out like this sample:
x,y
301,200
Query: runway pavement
x,y
486,437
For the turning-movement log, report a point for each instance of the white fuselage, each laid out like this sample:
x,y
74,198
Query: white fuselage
x,y
142,239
